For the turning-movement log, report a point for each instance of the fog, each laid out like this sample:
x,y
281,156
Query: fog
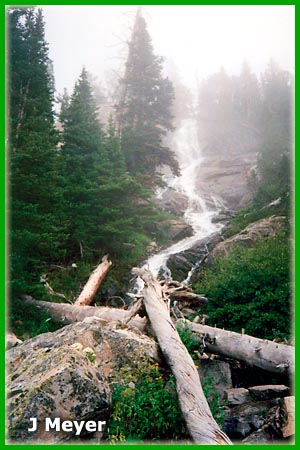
x,y
198,39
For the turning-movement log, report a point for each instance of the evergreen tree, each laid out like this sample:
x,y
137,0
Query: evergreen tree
x,y
144,110
35,228
97,189
276,135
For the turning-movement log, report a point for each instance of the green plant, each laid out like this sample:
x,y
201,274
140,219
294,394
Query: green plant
x,y
216,403
250,289
190,341
145,407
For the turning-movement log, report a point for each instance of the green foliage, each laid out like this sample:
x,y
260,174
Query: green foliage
x,y
36,232
145,407
29,322
252,213
144,109
189,340
250,289
216,403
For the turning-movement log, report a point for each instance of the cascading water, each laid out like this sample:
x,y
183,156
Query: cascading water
x,y
188,151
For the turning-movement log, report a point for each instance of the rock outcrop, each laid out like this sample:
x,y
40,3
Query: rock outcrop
x,y
225,178
249,236
67,375
260,419
181,263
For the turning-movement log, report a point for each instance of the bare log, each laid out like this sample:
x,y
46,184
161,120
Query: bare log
x,y
268,355
93,283
66,313
188,297
195,409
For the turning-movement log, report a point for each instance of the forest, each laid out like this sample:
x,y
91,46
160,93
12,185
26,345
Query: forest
x,y
88,177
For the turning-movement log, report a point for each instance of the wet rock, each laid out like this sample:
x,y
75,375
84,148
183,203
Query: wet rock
x,y
67,375
152,247
249,236
181,263
237,396
268,391
225,177
175,229
172,201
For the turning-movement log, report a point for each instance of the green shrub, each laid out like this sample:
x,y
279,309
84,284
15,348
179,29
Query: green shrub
x,y
250,289
145,408
190,341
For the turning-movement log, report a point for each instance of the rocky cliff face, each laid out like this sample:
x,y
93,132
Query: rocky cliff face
x,y
225,178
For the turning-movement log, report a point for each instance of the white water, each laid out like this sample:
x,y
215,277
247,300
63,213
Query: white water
x,y
186,146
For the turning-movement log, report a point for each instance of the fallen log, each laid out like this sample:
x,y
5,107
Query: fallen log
x,y
188,297
93,283
195,409
66,313
268,355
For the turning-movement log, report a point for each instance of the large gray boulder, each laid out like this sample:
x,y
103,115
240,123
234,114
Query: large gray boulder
x,y
67,375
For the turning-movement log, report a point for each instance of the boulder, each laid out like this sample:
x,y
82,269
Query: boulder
x,y
11,340
249,236
67,375
175,229
217,371
248,417
268,391
237,396
260,436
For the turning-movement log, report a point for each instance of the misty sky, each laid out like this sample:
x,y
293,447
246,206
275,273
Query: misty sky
x,y
198,38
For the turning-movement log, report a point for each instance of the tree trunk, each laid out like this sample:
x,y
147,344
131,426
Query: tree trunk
x,y
195,409
268,355
93,283
66,313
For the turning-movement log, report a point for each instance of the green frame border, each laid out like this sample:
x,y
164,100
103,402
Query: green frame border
x,y
3,191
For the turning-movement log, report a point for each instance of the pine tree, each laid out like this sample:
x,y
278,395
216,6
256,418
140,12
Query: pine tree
x,y
34,194
98,191
144,110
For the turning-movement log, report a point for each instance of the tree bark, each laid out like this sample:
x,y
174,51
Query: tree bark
x,y
93,283
66,313
268,355
195,409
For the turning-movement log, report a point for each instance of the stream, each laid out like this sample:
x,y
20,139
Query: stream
x,y
198,214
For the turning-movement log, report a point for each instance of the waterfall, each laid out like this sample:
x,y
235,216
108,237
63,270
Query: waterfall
x,y
185,144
